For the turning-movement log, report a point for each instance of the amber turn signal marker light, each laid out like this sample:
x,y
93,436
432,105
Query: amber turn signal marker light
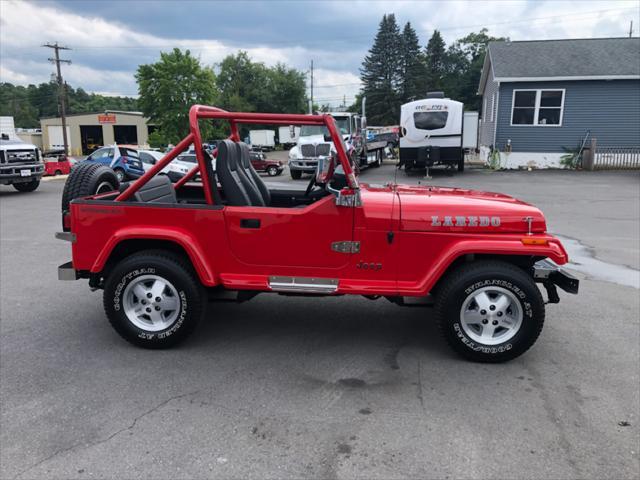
x,y
534,241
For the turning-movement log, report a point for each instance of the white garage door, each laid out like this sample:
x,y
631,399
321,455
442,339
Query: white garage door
x,y
55,137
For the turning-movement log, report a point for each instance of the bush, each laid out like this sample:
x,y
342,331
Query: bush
x,y
157,140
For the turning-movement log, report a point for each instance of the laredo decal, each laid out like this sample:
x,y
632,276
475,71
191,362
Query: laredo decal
x,y
462,221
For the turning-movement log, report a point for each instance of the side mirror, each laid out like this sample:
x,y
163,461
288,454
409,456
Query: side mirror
x,y
327,137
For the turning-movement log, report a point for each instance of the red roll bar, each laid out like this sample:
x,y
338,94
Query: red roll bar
x,y
198,112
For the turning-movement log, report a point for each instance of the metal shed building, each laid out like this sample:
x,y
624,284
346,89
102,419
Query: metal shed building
x,y
87,131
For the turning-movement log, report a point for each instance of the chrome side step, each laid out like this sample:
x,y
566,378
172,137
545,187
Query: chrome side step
x,y
303,284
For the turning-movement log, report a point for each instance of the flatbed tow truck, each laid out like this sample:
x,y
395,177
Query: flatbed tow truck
x,y
159,251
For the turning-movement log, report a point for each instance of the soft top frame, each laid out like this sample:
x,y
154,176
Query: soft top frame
x,y
200,112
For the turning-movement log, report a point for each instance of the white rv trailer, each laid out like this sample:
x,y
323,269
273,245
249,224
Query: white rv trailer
x,y
431,132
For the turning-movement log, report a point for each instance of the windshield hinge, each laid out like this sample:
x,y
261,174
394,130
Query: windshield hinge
x,y
345,247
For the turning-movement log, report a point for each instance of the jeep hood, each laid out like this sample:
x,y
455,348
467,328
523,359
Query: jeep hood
x,y
443,209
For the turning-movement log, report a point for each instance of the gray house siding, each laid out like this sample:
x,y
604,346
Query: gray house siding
x,y
610,109
487,126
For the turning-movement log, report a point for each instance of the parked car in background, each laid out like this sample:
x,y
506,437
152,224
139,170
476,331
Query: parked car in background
x,y
261,163
175,170
123,160
56,163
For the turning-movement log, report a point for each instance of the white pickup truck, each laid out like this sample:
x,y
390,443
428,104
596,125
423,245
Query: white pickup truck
x,y
312,145
21,164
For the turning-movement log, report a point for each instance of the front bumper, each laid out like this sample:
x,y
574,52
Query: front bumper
x,y
308,165
11,173
550,275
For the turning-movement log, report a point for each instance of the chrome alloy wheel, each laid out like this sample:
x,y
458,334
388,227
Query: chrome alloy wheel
x,y
491,315
151,303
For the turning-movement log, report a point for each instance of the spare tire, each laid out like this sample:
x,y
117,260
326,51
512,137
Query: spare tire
x,y
88,179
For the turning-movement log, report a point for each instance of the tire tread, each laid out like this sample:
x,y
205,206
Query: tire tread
x,y
452,280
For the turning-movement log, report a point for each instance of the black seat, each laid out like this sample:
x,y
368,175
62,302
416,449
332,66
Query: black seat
x,y
211,175
157,190
227,170
247,182
245,162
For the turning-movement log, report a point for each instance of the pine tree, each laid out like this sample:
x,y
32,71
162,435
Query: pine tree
x,y
414,79
435,54
381,74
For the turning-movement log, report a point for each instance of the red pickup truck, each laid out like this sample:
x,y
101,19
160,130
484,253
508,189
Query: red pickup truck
x,y
160,250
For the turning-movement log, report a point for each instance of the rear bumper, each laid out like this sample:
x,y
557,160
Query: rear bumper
x,y
67,272
552,276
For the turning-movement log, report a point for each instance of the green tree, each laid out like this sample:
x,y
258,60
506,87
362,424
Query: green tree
x,y
241,83
435,59
381,74
169,87
285,90
252,87
464,61
413,84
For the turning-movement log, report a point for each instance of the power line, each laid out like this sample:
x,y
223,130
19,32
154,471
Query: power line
x,y
63,91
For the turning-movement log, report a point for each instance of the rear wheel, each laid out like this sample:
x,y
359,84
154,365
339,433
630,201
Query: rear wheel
x,y
152,299
461,164
120,174
296,174
490,311
57,172
27,186
87,179
272,171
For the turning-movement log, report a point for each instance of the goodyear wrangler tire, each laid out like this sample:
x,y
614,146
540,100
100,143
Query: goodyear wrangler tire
x,y
152,299
87,178
490,311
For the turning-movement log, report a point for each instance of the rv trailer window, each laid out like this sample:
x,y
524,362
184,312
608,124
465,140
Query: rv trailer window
x,y
430,120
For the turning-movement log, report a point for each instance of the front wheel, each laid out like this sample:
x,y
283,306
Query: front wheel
x,y
490,311
27,186
272,171
296,174
152,299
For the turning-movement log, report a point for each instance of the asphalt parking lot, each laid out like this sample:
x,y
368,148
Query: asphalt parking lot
x,y
281,387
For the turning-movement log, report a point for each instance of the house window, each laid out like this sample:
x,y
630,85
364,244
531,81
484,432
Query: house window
x,y
537,107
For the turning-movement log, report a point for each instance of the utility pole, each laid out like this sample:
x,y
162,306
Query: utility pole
x,y
311,107
631,29
62,91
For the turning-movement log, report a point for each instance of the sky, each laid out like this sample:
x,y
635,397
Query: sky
x,y
109,39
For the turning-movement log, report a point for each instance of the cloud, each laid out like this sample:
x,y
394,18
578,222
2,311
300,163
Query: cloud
x,y
110,41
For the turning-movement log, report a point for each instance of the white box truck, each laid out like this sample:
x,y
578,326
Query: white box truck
x,y
286,139
262,139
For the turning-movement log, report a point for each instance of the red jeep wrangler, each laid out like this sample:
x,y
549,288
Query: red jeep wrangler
x,y
160,250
